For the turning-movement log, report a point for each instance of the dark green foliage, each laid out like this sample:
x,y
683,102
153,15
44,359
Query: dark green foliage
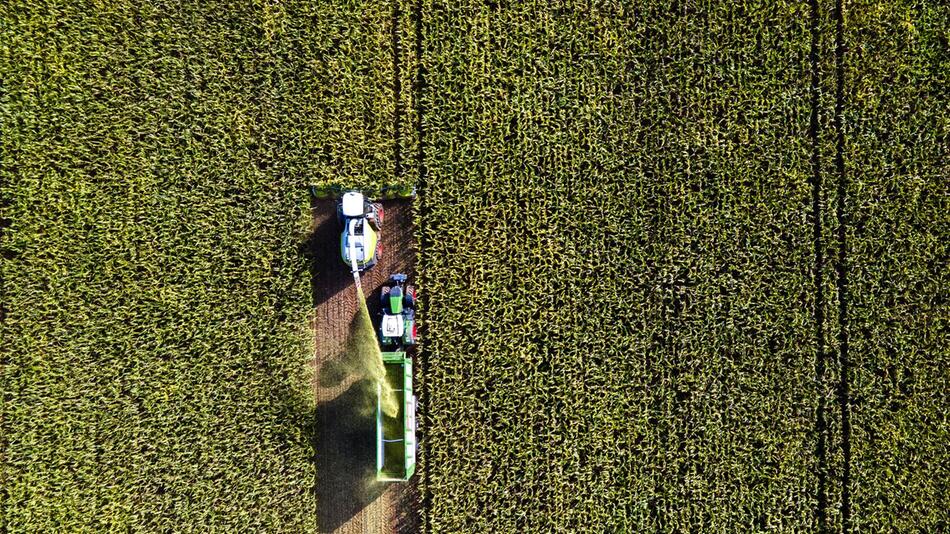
x,y
154,162
648,351
897,114
634,192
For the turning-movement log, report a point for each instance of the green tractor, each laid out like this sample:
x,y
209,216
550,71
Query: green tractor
x,y
397,326
362,220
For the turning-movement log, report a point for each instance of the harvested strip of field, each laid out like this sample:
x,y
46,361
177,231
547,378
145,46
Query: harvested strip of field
x,y
898,233
349,500
622,200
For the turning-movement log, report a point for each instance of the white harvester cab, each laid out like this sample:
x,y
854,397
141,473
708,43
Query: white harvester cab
x,y
353,204
360,245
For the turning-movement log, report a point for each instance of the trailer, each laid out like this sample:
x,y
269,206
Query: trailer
x,y
396,436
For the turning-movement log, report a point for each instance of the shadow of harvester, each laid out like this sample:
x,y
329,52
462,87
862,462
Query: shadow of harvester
x,y
328,275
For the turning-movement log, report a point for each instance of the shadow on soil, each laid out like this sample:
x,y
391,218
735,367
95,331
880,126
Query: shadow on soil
x,y
343,439
322,249
346,456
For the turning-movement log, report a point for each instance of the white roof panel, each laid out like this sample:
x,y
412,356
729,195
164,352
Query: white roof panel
x,y
353,204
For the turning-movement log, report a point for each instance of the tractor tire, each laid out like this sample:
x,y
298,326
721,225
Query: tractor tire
x,y
379,252
383,296
381,213
410,299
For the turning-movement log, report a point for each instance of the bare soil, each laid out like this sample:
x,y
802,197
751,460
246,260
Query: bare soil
x,y
349,500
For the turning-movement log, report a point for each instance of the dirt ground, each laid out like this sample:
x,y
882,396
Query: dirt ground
x,y
349,500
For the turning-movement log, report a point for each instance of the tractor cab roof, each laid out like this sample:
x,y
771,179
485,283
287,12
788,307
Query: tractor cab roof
x,y
392,326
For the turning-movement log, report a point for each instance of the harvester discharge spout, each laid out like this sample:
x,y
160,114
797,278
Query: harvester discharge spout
x,y
353,267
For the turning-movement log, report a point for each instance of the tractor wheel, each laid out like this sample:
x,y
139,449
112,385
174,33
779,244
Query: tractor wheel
x,y
384,296
410,298
379,251
375,217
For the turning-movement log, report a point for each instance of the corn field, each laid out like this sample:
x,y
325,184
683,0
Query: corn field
x,y
683,266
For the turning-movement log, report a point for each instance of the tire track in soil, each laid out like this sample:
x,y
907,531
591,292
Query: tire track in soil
x,y
349,500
